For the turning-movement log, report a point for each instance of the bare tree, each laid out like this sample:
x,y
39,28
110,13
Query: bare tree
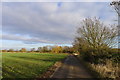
x,y
33,50
11,50
96,34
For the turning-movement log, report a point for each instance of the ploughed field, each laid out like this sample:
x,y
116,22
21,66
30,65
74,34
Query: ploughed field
x,y
27,65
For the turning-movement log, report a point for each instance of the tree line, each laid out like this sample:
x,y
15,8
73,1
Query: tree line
x,y
44,49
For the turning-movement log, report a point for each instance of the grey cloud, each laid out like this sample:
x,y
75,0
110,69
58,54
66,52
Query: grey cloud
x,y
44,21
33,25
23,38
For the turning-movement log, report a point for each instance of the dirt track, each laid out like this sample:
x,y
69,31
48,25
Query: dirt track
x,y
71,68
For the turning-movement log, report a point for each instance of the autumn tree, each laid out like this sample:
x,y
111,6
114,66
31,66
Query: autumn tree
x,y
57,49
23,50
4,50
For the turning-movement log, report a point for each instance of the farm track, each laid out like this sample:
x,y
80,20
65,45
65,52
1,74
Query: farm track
x,y
71,68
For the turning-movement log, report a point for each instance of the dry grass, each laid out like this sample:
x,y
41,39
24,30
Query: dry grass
x,y
109,70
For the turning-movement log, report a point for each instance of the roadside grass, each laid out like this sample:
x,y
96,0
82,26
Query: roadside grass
x,y
27,65
93,73
108,71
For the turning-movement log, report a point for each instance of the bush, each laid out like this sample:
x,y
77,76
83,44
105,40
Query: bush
x,y
100,56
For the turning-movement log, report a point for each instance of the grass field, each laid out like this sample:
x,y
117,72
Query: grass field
x,y
27,65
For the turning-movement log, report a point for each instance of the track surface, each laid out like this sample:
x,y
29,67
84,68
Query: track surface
x,y
71,68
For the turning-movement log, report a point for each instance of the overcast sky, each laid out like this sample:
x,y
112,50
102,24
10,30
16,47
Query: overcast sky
x,y
34,24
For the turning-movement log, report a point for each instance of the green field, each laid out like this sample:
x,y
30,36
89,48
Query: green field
x,y
27,65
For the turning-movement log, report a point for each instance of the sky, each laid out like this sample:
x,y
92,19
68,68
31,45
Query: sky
x,y
35,24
